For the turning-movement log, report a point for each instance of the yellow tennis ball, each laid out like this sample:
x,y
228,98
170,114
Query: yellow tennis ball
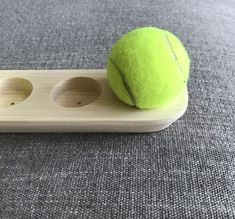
x,y
148,67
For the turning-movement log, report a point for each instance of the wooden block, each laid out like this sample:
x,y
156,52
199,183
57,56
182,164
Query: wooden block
x,y
75,101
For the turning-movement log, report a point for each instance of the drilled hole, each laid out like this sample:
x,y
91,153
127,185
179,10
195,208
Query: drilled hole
x,y
66,93
14,91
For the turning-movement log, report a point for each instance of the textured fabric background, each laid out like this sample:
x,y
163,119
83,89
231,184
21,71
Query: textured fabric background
x,y
185,171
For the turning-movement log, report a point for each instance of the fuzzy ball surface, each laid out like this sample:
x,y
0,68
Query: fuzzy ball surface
x,y
148,67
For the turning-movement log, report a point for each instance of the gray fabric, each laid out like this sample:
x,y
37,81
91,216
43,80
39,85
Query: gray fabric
x,y
185,171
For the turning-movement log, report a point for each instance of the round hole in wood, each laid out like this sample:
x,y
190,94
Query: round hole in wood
x,y
14,91
76,92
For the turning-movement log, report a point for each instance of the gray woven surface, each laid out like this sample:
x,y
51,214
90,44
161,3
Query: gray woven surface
x,y
185,171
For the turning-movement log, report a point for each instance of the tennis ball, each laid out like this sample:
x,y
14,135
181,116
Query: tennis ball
x,y
148,67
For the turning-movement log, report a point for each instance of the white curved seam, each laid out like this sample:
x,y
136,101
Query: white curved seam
x,y
174,55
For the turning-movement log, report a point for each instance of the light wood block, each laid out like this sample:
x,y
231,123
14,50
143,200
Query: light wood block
x,y
75,101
